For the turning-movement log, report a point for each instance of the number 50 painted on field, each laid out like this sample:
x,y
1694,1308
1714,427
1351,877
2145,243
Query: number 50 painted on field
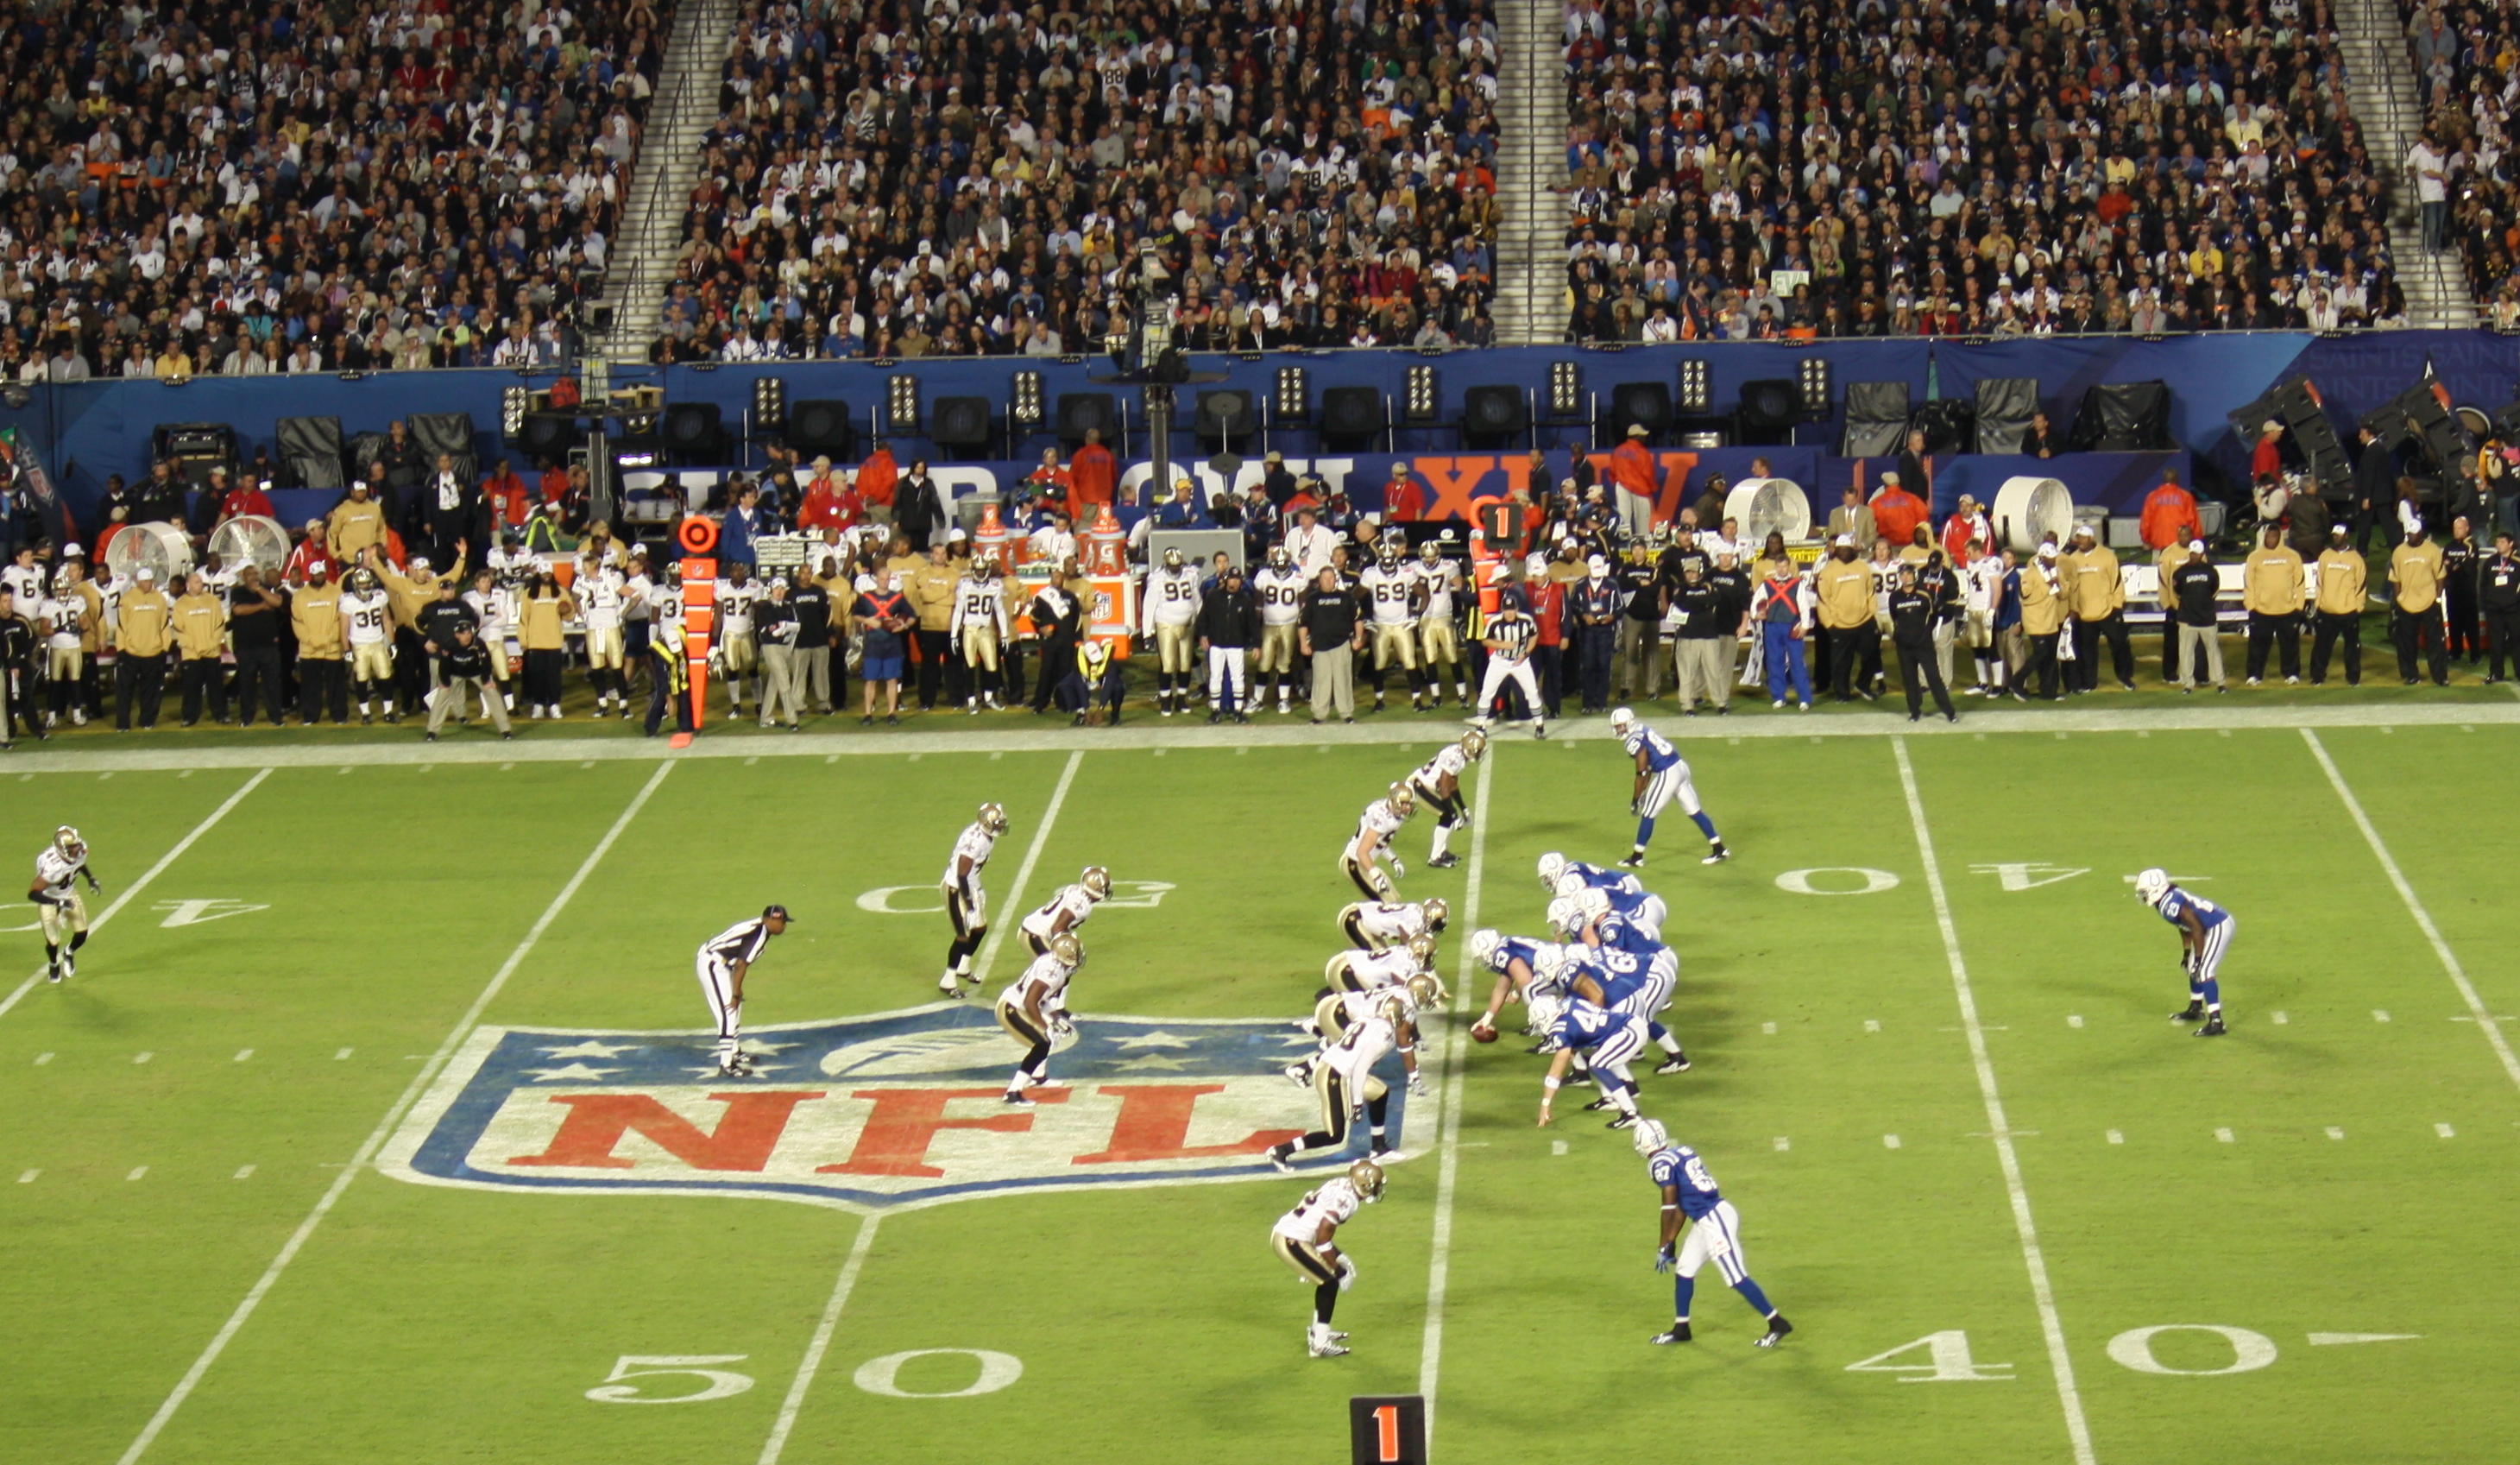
x,y
722,1384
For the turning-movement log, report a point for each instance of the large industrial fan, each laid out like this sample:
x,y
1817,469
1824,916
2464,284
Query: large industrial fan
x,y
250,540
2027,509
159,548
1765,506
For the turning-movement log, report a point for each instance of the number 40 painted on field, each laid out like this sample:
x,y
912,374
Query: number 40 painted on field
x,y
1951,1363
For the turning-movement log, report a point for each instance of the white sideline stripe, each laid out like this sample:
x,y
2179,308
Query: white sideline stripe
x,y
834,745
1448,1166
141,884
385,1126
2485,1020
2042,1292
1012,914
812,1362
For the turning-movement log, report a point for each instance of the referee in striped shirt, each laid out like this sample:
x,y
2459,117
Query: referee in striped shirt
x,y
1509,641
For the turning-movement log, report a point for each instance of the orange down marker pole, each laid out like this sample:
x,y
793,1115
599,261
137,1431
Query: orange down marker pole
x,y
698,537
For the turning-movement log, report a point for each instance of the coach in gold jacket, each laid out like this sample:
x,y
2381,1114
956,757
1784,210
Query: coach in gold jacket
x,y
2042,618
2096,593
2415,579
1843,586
2343,581
2272,588
142,629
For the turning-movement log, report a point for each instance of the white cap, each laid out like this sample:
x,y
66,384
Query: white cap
x,y
2084,531
71,551
2198,547
1635,430
958,536
1597,566
866,584
2046,551
144,572
1844,541
1535,565
1889,478
2414,526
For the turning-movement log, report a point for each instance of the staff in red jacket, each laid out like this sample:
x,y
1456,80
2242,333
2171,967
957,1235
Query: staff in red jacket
x,y
1967,526
876,478
1632,477
2169,514
1094,476
1895,512
245,498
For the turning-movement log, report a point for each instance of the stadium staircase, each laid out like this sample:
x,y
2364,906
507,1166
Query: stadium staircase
x,y
1531,127
681,113
2380,81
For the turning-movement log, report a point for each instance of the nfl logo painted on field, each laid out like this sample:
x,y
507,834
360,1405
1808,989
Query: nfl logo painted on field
x,y
890,1111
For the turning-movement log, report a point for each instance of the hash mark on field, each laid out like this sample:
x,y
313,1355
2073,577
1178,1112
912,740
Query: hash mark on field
x,y
1980,737
1871,1025
1889,1141
2445,1132
1815,740
749,762
997,756
187,773
1782,1143
143,1057
1769,1028
831,758
914,758
345,767
1736,742
2073,1019
102,777
43,1058
1161,751
242,1054
2117,1136
589,763
2333,1133
1557,1147
2140,733
507,767
28,1178
137,1172
2379,1014
2467,727
2387,729
345,1053
1241,750
2061,737
2281,1017
245,1172
2224,1136
2225,731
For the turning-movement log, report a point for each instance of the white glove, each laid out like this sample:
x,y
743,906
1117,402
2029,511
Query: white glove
x,y
1399,871
1417,1084
1062,1024
1347,1271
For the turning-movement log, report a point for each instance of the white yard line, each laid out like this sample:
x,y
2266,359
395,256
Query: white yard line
x,y
812,1362
1012,911
1439,1258
384,1127
2485,1020
2042,1292
141,884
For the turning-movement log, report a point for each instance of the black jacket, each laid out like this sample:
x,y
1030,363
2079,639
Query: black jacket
x,y
1329,618
1911,620
1701,610
459,662
1230,616
2500,583
2375,479
2195,583
812,607
917,511
439,618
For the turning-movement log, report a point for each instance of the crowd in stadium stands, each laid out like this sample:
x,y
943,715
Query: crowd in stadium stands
x,y
945,180
504,585
187,190
1965,167
2467,63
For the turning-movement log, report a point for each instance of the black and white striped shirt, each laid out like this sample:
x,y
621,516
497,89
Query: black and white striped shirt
x,y
742,942
1512,637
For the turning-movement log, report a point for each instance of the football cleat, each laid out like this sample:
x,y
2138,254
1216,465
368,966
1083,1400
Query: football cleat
x,y
1716,854
1599,1105
70,965
1444,861
1323,1347
2213,1028
1300,1075
1679,1334
1381,1147
948,986
1278,1160
1016,1098
2193,1012
1622,1121
1636,860
1777,1328
1678,1063
53,972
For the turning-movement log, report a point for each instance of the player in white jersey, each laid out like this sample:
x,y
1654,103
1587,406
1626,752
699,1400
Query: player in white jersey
x,y
1353,971
1662,779
1066,911
1390,589
1343,1081
1335,1012
737,654
966,903
724,960
1437,785
1372,843
1982,594
1172,608
494,604
1439,642
65,618
1033,1010
1509,639
367,624
1374,925
24,578
603,604
55,894
980,629
1302,1238
1280,589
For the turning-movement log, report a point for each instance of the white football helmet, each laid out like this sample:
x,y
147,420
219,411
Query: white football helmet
x,y
1563,916
1546,1008
2151,885
1551,865
1648,1135
1571,883
1484,943
1591,904
1623,722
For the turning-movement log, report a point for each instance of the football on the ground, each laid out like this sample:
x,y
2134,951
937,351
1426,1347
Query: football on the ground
x,y
1481,1032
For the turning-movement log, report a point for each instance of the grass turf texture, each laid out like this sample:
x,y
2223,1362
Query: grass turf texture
x,y
423,1324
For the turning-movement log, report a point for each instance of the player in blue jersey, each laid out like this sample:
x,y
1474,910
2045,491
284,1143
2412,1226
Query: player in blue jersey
x,y
1688,1194
1642,908
1627,972
1662,776
1571,1025
2204,935
1521,964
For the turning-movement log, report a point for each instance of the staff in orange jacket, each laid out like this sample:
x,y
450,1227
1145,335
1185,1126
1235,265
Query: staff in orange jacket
x,y
876,478
2169,514
1632,477
1093,478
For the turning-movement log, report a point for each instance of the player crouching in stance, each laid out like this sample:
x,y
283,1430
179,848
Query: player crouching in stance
x,y
1628,896
1065,912
1568,1024
1714,1233
1343,1080
1609,963
1338,1011
1522,966
1378,924
54,891
1033,1010
724,959
1370,844
1302,1238
1437,785
1662,776
966,902
2204,935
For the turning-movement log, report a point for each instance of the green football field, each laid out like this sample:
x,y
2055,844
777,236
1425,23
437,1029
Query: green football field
x,y
2013,1213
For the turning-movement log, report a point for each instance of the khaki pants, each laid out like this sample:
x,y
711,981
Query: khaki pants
x,y
779,684
1333,682
1395,642
1640,665
449,699
63,919
2200,651
1277,648
64,664
602,647
1173,647
1706,668
980,647
372,662
814,676
1441,646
